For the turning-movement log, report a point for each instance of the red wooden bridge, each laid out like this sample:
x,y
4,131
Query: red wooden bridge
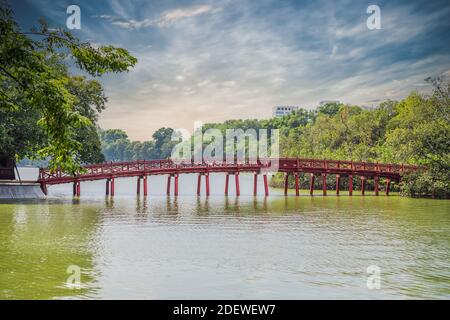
x,y
289,166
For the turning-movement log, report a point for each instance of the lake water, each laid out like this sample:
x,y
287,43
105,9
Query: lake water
x,y
220,247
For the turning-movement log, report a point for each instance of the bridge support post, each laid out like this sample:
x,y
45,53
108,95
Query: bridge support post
x,y
350,185
324,184
311,184
363,185
388,186
176,186
144,182
74,187
199,183
138,186
112,187
107,187
297,191
207,183
78,188
169,177
44,188
286,182
376,180
255,184
338,179
227,178
236,180
266,185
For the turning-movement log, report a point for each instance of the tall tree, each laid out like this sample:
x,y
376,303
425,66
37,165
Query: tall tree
x,y
35,80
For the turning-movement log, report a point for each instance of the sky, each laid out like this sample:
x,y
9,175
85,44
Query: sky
x,y
211,61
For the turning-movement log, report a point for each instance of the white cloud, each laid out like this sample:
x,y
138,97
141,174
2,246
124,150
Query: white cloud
x,y
166,19
172,16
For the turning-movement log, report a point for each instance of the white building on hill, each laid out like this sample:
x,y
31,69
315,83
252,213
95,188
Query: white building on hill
x,y
279,111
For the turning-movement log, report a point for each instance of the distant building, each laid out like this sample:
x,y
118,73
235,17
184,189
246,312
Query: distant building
x,y
279,111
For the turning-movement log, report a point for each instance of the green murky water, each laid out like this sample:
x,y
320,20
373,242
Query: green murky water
x,y
217,247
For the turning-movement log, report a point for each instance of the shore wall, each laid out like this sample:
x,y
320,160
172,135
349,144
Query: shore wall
x,y
18,191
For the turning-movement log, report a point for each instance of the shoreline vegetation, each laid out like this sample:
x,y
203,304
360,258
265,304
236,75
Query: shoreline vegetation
x,y
46,112
414,130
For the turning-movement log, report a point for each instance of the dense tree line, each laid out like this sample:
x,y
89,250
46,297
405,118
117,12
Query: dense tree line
x,y
415,130
116,146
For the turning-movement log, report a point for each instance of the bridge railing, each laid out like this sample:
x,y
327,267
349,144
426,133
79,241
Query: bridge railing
x,y
283,164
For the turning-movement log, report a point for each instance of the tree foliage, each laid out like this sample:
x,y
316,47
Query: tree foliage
x,y
420,133
415,130
37,88
116,146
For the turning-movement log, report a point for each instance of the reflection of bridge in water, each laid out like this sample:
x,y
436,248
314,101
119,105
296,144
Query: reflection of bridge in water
x,y
289,166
